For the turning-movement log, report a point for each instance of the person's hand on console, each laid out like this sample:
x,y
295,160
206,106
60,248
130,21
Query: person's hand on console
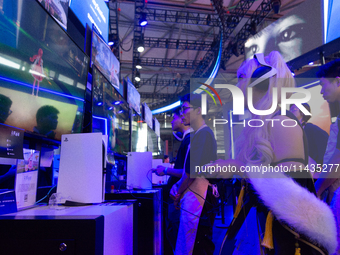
x,y
160,170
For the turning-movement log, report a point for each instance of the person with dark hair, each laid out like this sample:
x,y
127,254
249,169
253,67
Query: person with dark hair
x,y
166,159
192,195
173,215
328,180
317,138
329,75
47,121
5,106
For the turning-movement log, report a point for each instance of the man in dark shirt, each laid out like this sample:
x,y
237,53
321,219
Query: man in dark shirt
x,y
172,218
330,81
192,193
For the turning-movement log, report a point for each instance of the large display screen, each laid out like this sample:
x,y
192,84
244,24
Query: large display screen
x,y
296,33
105,60
42,72
58,10
110,114
133,96
139,140
92,12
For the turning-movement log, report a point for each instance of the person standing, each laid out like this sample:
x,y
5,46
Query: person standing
x,y
173,215
191,194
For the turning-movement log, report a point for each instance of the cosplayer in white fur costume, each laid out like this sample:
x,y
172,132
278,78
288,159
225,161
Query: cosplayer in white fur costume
x,y
298,208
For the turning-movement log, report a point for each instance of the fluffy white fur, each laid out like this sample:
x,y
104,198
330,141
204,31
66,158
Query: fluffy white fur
x,y
297,207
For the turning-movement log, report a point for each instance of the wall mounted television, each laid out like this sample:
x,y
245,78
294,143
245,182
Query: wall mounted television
x,y
42,71
147,115
133,96
110,114
58,10
105,60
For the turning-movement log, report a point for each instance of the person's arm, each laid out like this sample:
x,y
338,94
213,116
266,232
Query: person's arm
x,y
327,177
179,187
160,171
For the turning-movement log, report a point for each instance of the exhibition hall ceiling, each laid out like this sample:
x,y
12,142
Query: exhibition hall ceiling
x,y
179,37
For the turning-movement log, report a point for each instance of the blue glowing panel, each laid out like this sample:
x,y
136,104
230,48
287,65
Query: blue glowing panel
x,y
93,12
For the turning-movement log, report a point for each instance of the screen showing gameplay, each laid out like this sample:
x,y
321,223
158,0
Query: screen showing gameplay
x,y
105,60
110,114
42,72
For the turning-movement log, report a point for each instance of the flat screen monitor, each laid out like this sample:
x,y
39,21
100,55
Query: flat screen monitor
x,y
105,60
147,115
133,96
92,12
299,31
58,10
42,72
139,140
110,114
153,143
157,127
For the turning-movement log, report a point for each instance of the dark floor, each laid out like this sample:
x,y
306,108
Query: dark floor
x,y
221,228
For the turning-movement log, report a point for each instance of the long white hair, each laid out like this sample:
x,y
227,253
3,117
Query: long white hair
x,y
253,145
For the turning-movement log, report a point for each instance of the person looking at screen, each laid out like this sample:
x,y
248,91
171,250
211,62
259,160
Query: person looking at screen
x,y
330,81
193,195
173,216
328,180
317,137
288,218
47,121
5,106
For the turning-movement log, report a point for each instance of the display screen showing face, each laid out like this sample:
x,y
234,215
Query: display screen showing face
x,y
43,73
110,114
292,35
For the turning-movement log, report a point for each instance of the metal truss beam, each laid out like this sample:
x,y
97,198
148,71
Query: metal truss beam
x,y
113,25
256,18
174,63
164,82
138,35
183,17
154,42
157,95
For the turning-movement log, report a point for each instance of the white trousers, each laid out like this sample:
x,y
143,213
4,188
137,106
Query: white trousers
x,y
191,208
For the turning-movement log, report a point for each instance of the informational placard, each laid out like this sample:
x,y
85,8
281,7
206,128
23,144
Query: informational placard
x,y
11,142
27,178
93,12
